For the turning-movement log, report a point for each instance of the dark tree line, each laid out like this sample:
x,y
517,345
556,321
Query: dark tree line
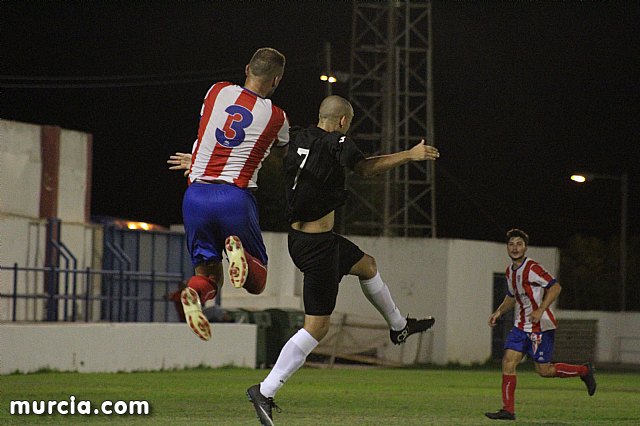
x,y
590,274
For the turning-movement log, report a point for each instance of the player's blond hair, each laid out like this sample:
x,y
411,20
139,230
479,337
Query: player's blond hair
x,y
266,63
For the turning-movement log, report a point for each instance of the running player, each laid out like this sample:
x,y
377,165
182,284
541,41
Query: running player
x,y
238,126
315,179
531,290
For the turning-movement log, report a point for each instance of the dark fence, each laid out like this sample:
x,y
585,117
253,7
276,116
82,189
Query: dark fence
x,y
129,294
138,270
95,295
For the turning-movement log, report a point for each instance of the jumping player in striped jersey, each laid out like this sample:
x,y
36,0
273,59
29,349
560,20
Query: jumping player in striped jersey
x,y
238,126
531,290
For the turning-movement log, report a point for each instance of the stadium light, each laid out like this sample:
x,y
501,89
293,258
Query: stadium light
x,y
141,225
329,78
624,195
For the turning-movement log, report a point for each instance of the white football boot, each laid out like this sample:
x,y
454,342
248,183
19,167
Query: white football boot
x,y
238,266
193,313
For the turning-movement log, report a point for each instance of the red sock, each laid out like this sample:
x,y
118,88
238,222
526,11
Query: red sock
x,y
175,298
570,370
205,286
508,392
257,277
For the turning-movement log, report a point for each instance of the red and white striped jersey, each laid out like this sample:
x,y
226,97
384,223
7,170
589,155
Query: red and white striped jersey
x,y
236,132
528,284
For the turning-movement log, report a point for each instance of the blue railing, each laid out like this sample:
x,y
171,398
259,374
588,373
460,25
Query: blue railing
x,y
127,288
120,297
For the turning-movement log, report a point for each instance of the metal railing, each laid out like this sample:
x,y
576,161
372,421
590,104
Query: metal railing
x,y
94,294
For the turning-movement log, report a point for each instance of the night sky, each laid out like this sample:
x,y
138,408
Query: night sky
x,y
525,94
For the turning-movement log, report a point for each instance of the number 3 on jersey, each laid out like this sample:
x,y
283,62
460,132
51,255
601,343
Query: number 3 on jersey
x,y
304,152
232,134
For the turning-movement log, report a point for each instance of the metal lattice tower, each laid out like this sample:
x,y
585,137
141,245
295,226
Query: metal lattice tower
x,y
391,92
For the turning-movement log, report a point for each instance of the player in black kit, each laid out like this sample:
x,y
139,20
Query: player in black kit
x,y
315,179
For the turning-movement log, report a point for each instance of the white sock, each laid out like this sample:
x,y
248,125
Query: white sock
x,y
291,358
378,294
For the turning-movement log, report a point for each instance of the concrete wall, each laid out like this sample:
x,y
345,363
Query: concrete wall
x,y
22,184
415,272
618,334
23,206
88,348
74,176
469,293
20,174
451,280
27,237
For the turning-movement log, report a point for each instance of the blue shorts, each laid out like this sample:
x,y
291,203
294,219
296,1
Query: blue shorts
x,y
539,346
212,212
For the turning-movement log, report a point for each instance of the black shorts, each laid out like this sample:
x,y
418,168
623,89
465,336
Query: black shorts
x,y
323,259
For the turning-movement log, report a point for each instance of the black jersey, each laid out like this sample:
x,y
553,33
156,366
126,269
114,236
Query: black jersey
x,y
314,172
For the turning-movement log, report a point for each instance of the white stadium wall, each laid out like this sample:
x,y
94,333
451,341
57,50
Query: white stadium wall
x,y
469,301
20,174
451,280
74,176
618,334
415,271
45,172
90,348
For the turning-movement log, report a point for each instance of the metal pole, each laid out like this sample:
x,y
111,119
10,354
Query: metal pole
x,y
87,294
52,256
430,126
388,133
152,295
327,62
15,292
624,192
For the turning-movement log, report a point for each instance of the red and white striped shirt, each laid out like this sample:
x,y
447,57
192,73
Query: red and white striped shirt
x,y
528,284
236,132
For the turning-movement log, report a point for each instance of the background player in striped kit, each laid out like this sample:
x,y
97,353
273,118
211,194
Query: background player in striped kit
x,y
531,290
238,126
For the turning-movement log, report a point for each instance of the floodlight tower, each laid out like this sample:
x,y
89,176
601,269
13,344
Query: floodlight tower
x,y
391,89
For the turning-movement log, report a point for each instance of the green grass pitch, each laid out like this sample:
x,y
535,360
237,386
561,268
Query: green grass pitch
x,y
353,396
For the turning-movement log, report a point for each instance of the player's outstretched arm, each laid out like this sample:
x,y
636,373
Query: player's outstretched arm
x,y
374,165
180,161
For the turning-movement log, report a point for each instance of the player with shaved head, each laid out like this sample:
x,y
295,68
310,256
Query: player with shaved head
x,y
332,109
315,187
